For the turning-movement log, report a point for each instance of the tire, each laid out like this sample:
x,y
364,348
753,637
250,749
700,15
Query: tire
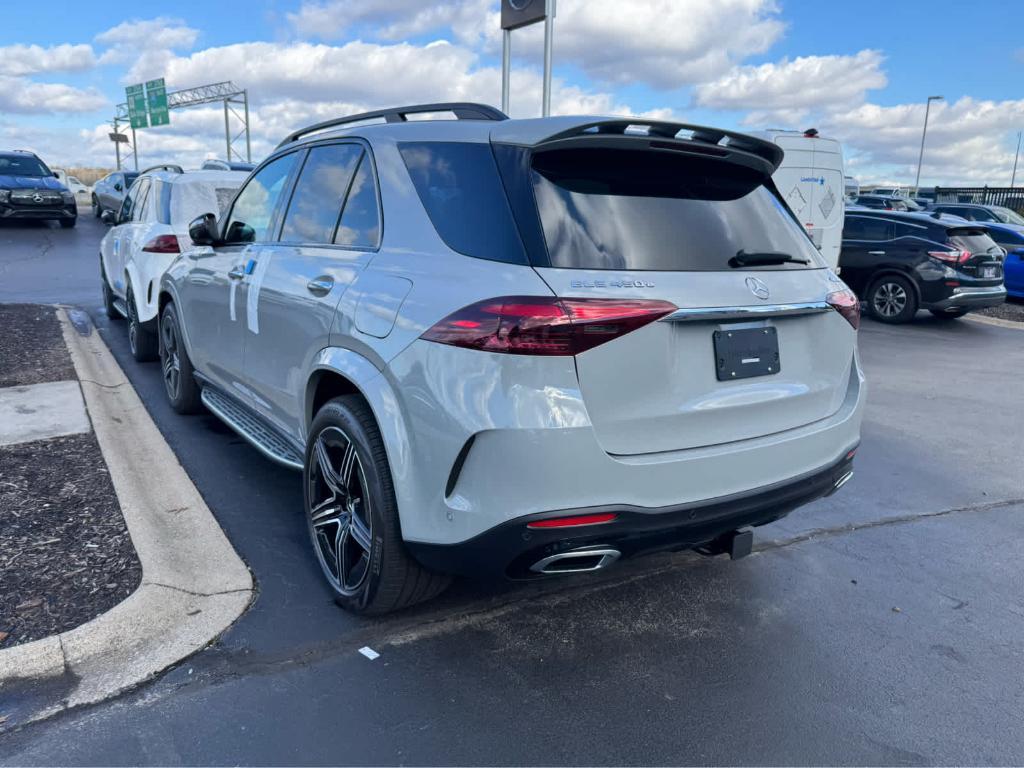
x,y
940,315
179,382
891,299
108,296
377,575
68,223
97,209
143,342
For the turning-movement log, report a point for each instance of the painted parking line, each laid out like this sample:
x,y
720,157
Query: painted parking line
x,y
41,411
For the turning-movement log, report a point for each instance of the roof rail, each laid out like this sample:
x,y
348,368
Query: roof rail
x,y
463,110
164,167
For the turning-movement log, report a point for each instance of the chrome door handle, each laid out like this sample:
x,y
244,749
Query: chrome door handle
x,y
876,253
237,272
320,286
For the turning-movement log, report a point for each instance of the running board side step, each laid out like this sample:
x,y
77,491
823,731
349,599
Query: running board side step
x,y
252,429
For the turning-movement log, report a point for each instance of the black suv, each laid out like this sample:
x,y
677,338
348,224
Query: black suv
x,y
30,190
901,262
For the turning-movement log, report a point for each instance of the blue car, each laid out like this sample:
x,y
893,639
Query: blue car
x,y
1010,238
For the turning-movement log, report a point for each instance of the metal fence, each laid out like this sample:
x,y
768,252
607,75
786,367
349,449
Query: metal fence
x,y
1009,197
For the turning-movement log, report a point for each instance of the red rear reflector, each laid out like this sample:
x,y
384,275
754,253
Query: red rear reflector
x,y
162,244
544,325
851,454
572,522
846,304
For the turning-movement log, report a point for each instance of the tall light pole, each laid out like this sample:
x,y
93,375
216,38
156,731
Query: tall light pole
x,y
924,133
1013,178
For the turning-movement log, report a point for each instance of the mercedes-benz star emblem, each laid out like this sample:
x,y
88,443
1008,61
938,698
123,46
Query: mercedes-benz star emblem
x,y
758,288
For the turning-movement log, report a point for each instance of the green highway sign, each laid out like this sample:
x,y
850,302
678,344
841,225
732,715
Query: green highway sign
x,y
136,106
156,96
147,104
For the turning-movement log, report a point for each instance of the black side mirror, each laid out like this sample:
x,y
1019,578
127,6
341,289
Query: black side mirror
x,y
240,232
108,217
56,175
118,186
203,230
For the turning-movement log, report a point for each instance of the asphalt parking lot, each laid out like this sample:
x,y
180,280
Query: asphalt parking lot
x,y
880,626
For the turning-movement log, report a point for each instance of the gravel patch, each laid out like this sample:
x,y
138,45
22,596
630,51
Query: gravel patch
x,y
32,347
65,553
1008,310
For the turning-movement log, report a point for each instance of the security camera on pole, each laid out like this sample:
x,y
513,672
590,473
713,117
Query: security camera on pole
x,y
522,13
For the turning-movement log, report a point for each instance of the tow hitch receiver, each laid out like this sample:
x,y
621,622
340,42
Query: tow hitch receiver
x,y
736,544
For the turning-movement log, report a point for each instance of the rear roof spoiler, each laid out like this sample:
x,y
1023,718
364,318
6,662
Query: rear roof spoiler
x,y
625,133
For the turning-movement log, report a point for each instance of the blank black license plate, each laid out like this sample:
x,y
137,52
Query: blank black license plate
x,y
740,354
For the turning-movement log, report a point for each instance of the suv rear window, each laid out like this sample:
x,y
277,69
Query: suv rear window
x,y
459,187
975,241
637,217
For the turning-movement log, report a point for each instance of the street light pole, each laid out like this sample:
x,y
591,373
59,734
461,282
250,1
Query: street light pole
x,y
1013,179
920,157
549,33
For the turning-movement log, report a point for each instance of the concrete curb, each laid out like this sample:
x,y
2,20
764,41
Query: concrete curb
x,y
996,321
194,585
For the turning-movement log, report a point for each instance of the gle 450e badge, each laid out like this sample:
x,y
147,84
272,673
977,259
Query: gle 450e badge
x,y
611,284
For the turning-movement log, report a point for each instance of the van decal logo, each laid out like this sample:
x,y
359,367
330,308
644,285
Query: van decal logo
x,y
610,284
758,288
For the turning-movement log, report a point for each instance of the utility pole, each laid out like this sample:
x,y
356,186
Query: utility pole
x,y
227,130
248,144
506,67
920,157
135,150
117,145
1013,179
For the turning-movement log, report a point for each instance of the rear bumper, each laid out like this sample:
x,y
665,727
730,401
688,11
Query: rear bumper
x,y
43,212
509,550
972,298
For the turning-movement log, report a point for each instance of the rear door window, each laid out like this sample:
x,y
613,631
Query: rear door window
x,y
643,222
360,221
320,192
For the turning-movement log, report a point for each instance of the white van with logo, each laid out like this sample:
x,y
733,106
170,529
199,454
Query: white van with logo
x,y
811,182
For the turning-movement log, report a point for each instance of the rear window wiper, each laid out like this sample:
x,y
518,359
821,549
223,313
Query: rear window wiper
x,y
756,258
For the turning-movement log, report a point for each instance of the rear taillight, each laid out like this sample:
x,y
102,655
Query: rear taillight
x,y
846,304
544,325
162,244
951,257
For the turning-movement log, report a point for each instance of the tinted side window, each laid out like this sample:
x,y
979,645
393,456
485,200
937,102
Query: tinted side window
x,y
459,187
864,228
131,198
254,207
141,199
360,221
319,193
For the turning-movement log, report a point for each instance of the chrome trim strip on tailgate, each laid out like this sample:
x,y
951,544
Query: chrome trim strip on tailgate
x,y
755,312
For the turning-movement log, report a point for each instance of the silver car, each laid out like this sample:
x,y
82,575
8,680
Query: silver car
x,y
518,348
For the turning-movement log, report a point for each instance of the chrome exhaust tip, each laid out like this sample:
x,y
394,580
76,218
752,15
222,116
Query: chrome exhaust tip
x,y
841,482
576,561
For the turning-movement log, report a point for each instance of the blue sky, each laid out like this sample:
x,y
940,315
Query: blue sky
x,y
859,71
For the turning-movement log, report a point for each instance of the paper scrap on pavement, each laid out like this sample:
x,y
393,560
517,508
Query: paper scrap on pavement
x,y
369,652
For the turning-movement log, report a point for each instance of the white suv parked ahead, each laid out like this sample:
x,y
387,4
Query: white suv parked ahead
x,y
147,234
522,348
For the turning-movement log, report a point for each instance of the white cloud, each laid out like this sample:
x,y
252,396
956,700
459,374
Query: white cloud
x,y
788,90
969,141
146,44
21,60
666,43
18,94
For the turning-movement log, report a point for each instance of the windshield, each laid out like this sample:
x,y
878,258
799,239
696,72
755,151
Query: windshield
x,y
15,165
1007,216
